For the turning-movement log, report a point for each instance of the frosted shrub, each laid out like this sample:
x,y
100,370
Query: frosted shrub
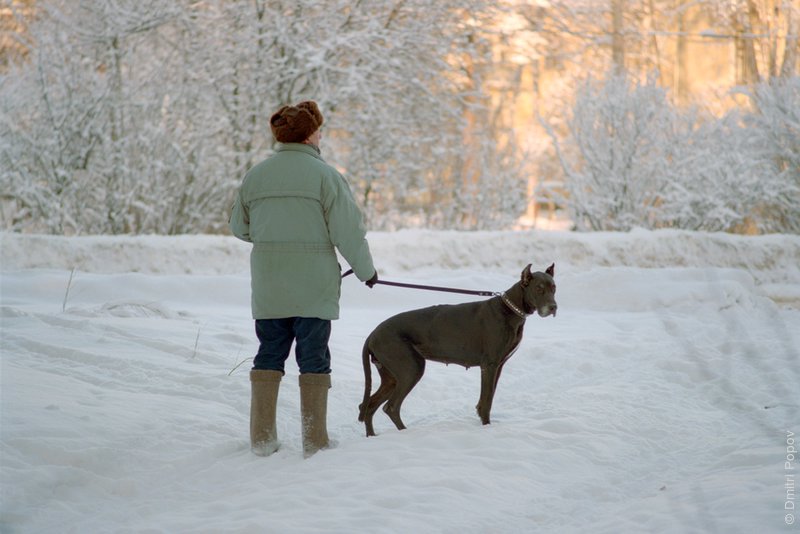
x,y
490,192
740,172
775,128
618,142
712,178
632,159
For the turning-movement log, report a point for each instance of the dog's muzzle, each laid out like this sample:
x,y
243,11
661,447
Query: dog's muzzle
x,y
545,311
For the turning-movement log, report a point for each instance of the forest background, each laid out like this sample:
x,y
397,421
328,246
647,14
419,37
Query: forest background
x,y
141,116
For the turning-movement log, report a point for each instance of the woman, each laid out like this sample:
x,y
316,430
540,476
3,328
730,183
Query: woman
x,y
296,210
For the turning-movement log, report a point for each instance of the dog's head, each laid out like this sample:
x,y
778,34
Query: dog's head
x,y
539,290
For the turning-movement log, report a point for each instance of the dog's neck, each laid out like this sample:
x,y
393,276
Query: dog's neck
x,y
513,295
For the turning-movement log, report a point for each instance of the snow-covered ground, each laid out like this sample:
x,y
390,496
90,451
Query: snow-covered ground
x,y
661,399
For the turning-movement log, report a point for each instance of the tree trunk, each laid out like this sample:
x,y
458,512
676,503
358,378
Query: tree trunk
x,y
681,69
749,60
617,38
792,43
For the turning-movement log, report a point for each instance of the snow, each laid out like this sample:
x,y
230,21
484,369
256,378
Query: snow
x,y
659,400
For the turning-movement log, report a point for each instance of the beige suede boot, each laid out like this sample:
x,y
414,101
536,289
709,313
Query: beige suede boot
x,y
263,404
314,411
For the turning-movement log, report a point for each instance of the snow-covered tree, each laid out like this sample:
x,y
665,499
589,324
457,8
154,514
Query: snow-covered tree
x,y
86,145
632,159
142,116
616,153
774,124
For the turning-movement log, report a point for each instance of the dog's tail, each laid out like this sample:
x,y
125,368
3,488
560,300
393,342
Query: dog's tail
x,y
365,354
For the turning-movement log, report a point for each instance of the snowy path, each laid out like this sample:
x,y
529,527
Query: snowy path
x,y
658,400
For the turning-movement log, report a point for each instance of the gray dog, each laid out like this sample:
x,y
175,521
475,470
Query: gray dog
x,y
476,334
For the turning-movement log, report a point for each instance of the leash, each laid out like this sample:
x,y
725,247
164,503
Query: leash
x,y
434,288
513,307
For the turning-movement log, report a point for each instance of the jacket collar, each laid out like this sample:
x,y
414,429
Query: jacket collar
x,y
299,147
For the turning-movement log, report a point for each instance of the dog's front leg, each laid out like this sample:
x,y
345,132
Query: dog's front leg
x,y
488,383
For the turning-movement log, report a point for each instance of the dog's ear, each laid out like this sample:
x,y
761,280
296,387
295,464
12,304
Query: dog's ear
x,y
526,276
551,270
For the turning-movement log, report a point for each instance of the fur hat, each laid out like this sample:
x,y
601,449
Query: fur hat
x,y
295,124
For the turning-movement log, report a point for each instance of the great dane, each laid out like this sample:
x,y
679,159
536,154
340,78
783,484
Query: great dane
x,y
476,334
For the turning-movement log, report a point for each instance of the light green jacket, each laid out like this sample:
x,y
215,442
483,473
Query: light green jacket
x,y
295,209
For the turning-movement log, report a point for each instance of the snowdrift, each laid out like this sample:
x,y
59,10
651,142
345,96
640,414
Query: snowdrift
x,y
414,249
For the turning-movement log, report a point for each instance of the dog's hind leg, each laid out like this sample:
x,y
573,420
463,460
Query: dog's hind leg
x,y
406,380
388,385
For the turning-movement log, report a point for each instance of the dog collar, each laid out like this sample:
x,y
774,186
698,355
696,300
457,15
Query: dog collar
x,y
513,307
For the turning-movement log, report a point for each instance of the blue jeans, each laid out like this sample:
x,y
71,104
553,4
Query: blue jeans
x,y
311,336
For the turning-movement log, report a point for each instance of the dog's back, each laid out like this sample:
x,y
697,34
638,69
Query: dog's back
x,y
447,333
